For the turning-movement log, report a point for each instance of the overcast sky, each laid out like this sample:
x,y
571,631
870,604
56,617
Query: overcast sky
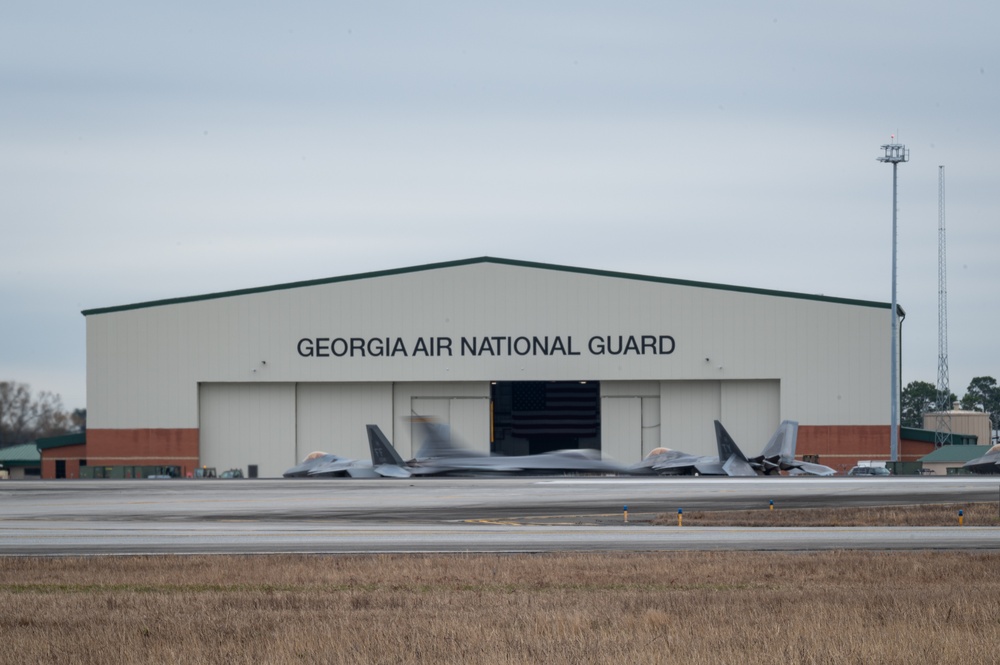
x,y
158,150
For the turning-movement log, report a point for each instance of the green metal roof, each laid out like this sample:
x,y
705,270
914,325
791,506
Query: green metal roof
x,y
25,454
929,436
955,454
75,439
486,259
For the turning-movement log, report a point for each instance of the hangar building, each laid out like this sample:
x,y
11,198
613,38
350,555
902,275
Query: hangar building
x,y
518,357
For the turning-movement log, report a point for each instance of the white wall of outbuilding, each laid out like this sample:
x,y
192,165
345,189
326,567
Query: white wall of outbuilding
x,y
235,366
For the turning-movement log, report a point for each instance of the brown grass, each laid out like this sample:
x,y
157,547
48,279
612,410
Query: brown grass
x,y
675,607
975,514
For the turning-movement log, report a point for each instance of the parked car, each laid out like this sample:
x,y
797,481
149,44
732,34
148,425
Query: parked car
x,y
869,471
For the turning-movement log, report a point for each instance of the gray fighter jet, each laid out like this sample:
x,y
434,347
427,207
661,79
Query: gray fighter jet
x,y
778,455
988,463
439,455
326,465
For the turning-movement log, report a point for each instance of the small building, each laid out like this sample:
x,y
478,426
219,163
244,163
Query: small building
x,y
62,456
960,421
20,461
948,460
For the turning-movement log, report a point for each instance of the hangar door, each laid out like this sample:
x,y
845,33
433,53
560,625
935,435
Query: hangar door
x,y
630,427
748,409
247,423
331,417
468,418
275,425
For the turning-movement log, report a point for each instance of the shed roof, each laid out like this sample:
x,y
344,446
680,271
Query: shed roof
x,y
75,439
25,454
955,454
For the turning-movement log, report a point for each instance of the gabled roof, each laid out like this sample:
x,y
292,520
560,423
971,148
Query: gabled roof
x,y
485,259
960,454
25,454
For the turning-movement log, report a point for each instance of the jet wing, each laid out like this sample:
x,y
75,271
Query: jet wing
x,y
811,468
988,463
689,464
735,466
391,471
311,462
709,466
332,468
673,462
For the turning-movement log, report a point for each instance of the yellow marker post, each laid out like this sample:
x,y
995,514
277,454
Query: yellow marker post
x,y
625,512
961,518
680,517
772,504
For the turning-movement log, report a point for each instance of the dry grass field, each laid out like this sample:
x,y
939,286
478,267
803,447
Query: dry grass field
x,y
670,607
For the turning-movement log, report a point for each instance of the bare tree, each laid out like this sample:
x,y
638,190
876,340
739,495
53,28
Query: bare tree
x,y
24,418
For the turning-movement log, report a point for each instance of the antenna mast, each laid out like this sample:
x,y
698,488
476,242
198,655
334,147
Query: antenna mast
x,y
942,432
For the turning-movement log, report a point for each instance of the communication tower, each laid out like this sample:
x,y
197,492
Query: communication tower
x,y
942,431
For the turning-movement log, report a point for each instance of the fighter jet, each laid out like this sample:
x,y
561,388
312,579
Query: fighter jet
x,y
439,455
778,455
988,463
326,465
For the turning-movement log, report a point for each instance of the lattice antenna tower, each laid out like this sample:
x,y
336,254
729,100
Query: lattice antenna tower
x,y
942,431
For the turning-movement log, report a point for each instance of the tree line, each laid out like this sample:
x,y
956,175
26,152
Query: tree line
x,y
25,417
920,397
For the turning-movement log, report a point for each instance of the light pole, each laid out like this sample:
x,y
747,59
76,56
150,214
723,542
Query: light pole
x,y
894,153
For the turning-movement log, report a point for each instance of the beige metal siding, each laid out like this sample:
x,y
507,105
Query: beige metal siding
x,y
688,409
244,424
750,412
830,359
331,417
964,422
621,429
630,419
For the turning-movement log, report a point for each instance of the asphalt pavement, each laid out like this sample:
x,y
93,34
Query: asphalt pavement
x,y
84,517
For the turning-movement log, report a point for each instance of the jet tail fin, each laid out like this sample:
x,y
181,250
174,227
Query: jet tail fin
x,y
727,447
382,451
782,443
733,461
437,440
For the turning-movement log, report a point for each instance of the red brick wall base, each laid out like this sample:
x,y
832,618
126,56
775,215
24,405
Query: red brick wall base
x,y
842,446
72,455
143,447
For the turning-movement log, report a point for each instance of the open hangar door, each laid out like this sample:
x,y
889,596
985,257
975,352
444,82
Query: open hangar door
x,y
532,417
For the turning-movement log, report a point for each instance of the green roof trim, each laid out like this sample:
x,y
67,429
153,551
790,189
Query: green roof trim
x,y
485,259
75,439
24,454
929,436
955,454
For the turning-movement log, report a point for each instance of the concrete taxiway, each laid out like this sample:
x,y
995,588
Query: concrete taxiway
x,y
456,515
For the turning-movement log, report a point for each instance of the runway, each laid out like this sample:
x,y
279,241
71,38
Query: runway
x,y
457,515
